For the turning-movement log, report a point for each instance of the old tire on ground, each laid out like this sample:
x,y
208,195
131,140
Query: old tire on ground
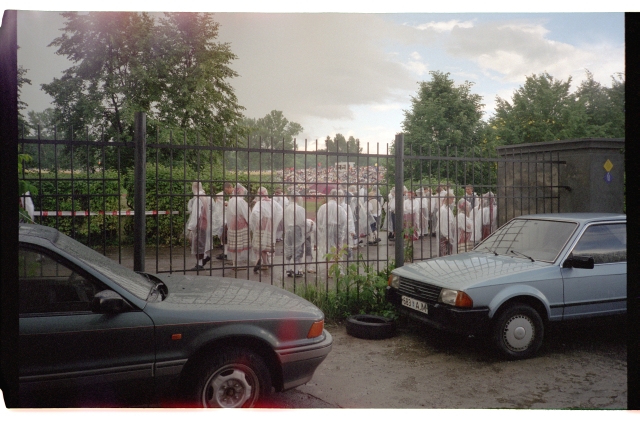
x,y
518,332
232,378
372,327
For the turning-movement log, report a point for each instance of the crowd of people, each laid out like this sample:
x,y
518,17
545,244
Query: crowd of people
x,y
432,213
349,217
306,180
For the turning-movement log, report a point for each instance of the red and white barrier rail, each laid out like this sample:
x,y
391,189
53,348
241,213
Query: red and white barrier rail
x,y
112,213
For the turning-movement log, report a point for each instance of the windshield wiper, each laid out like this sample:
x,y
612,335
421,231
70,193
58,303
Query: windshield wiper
x,y
492,251
522,254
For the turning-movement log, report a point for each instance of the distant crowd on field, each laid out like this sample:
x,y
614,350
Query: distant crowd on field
x,y
349,217
307,180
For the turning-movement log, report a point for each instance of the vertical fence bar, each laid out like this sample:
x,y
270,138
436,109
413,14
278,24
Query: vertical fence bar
x,y
140,186
397,225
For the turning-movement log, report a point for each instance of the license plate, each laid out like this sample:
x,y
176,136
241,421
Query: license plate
x,y
415,304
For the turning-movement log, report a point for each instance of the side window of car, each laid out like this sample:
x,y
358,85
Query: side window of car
x,y
606,243
47,285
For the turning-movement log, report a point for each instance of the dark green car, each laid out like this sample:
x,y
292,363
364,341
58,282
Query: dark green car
x,y
94,333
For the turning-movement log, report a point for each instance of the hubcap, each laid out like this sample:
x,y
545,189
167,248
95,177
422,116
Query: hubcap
x,y
518,333
229,388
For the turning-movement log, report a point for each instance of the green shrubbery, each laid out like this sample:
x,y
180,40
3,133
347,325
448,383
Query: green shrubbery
x,y
360,289
81,192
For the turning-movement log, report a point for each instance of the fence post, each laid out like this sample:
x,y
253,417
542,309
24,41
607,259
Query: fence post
x,y
140,188
397,224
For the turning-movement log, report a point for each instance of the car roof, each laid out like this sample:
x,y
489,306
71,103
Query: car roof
x,y
582,217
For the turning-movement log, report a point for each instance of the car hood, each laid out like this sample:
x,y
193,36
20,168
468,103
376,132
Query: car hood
x,y
472,269
229,298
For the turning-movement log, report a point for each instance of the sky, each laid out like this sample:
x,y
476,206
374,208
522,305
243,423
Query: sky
x,y
355,73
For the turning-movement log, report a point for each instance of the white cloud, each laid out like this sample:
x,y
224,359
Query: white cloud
x,y
444,26
386,106
513,51
312,64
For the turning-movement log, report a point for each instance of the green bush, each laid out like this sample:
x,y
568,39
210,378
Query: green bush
x,y
359,290
81,192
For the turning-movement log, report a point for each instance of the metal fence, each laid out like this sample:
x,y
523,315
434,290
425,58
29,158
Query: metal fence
x,y
93,189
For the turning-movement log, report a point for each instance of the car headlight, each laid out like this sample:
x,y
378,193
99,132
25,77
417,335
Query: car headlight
x,y
394,281
455,298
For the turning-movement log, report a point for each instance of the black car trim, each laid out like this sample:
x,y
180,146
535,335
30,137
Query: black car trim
x,y
596,302
91,330
146,368
169,368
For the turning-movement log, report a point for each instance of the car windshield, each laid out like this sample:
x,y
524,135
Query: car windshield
x,y
137,284
536,239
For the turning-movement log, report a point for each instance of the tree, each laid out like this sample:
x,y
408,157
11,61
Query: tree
x,y
22,79
273,131
442,115
443,119
604,106
544,109
126,62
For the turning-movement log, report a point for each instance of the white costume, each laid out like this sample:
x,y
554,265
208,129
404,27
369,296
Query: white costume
x,y
27,204
199,223
238,226
465,227
263,222
489,214
351,223
332,228
295,225
309,243
217,215
411,218
447,233
284,202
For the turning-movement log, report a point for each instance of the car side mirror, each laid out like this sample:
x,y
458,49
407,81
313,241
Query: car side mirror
x,y
580,262
108,302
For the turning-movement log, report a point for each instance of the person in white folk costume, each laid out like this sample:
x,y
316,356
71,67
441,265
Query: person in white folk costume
x,y
489,214
199,225
263,222
295,223
476,218
332,229
465,226
411,217
389,220
446,225
310,244
424,196
375,209
352,239
238,228
278,196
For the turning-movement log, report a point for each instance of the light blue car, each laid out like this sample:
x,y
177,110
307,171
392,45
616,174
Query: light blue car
x,y
533,270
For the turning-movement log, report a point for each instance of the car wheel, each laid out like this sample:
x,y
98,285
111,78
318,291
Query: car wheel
x,y
370,327
233,378
518,332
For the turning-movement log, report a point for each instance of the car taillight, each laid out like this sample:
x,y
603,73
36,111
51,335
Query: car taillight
x,y
316,329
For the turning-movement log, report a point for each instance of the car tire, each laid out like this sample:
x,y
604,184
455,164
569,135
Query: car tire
x,y
518,332
232,378
371,327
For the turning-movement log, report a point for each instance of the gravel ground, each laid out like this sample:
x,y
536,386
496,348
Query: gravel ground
x,y
578,367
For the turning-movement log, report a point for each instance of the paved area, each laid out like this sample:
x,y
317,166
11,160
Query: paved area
x,y
578,367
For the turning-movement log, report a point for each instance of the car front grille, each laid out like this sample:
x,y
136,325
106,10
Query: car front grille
x,y
419,290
